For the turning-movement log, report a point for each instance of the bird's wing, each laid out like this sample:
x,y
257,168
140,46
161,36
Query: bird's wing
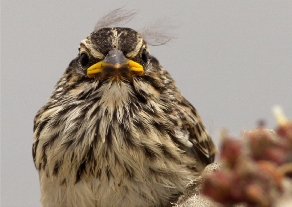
x,y
191,132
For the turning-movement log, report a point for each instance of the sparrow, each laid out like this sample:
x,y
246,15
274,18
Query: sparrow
x,y
116,130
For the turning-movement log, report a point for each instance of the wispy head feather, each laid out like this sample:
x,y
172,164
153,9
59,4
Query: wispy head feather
x,y
158,33
117,16
155,34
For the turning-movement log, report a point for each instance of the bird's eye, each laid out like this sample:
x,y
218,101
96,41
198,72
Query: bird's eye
x,y
84,59
144,56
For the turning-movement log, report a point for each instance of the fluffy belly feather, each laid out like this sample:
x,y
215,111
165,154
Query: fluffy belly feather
x,y
144,175
103,152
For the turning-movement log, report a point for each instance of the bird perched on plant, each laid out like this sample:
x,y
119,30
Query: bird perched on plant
x,y
116,131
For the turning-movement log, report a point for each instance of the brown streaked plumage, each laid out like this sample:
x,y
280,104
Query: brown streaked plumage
x,y
116,131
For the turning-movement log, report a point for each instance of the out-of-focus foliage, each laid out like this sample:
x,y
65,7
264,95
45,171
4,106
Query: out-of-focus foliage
x,y
253,167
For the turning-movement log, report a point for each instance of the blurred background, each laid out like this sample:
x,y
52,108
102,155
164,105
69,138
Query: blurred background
x,y
231,59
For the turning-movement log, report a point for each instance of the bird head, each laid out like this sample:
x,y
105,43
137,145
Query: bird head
x,y
113,53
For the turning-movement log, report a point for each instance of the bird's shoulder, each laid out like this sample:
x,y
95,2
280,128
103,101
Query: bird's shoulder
x,y
188,126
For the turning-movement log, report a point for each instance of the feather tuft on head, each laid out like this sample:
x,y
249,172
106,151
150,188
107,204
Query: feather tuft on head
x,y
117,16
155,34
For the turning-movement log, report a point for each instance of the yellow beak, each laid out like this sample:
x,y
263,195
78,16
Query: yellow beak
x,y
97,68
115,60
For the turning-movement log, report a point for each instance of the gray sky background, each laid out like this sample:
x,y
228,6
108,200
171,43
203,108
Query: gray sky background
x,y
231,59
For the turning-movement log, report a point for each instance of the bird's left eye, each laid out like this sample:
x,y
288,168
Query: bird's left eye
x,y
84,59
144,56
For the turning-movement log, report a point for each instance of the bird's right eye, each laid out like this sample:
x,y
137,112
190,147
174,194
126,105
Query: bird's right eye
x,y
84,59
144,56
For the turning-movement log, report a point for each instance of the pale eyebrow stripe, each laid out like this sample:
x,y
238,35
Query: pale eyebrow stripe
x,y
137,49
85,43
